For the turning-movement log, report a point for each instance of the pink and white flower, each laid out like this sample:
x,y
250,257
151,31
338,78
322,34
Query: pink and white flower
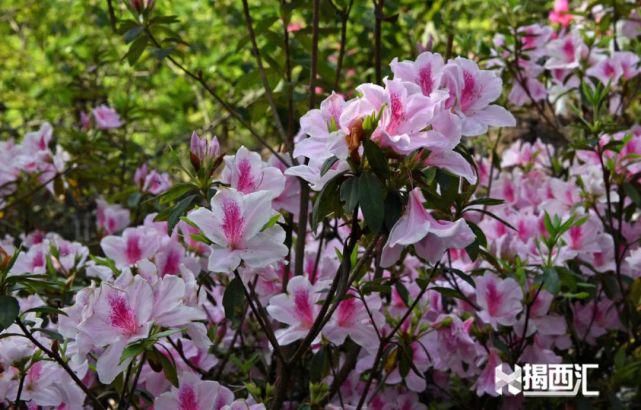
x,y
135,245
106,117
246,173
471,93
500,300
195,394
298,308
234,225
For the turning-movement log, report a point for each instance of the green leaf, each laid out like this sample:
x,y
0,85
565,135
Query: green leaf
x,y
349,193
179,211
133,33
50,333
234,300
404,360
402,292
550,280
318,366
169,369
176,192
448,292
393,207
9,311
327,165
633,193
486,201
46,310
371,196
327,201
466,277
132,350
136,49
272,221
376,158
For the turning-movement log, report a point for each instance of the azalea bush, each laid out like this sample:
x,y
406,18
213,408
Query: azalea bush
x,y
386,246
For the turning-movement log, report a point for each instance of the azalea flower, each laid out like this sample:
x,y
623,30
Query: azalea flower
x,y
425,71
134,245
561,13
298,309
235,226
566,52
429,236
156,183
106,117
122,314
32,262
450,345
351,319
500,300
471,92
325,131
111,218
195,394
406,112
610,70
246,173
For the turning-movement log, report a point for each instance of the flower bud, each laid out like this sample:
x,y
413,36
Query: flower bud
x,y
141,6
203,152
5,259
354,139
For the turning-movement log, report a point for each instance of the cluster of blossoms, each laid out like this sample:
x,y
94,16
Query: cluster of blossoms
x,y
103,116
152,182
425,267
33,157
427,107
550,66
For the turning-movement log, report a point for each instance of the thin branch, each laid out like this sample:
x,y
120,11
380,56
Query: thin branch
x,y
289,143
314,56
261,71
201,80
135,381
343,42
378,16
303,211
123,395
112,15
56,357
23,375
184,358
262,321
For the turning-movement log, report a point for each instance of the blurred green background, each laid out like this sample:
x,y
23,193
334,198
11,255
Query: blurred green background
x,y
62,57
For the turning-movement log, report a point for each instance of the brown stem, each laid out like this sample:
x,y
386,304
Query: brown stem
x,y
343,42
135,381
301,231
385,341
112,15
56,357
184,358
261,71
378,15
289,144
262,320
349,365
200,79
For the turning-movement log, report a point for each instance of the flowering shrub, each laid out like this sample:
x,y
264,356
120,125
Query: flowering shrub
x,y
409,239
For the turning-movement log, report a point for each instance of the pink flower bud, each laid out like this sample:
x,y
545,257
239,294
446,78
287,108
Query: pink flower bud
x,y
142,5
203,151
